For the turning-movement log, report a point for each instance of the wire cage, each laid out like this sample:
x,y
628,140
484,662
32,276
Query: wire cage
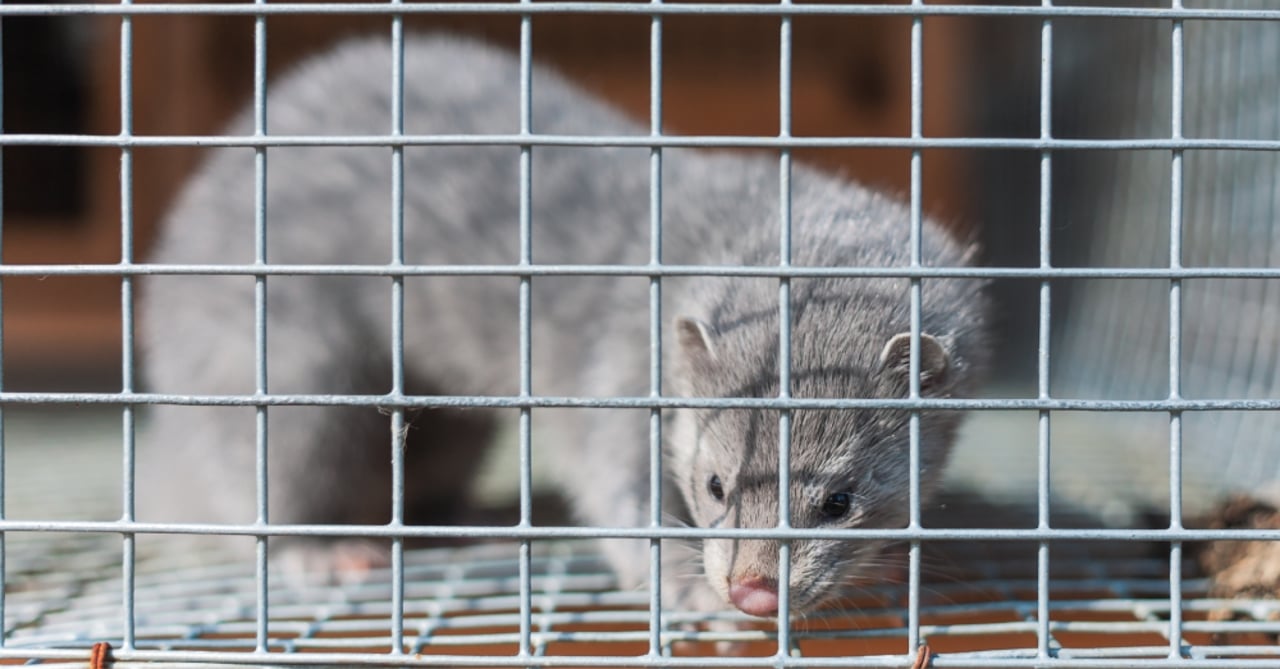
x,y
976,580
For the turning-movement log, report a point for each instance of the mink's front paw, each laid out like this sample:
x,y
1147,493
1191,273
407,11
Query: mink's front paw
x,y
311,563
702,607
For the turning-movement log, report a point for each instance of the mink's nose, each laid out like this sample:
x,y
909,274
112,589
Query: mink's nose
x,y
755,595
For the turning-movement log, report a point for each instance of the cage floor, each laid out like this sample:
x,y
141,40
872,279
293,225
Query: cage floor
x,y
65,593
1109,604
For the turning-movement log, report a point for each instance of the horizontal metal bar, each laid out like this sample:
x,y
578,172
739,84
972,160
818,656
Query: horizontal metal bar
x,y
646,271
549,401
639,141
639,8
475,628
124,658
440,643
571,532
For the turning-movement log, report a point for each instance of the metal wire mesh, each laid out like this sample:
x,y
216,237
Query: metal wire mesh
x,y
978,606
1062,599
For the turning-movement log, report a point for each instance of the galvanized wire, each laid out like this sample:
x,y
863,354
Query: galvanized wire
x,y
997,600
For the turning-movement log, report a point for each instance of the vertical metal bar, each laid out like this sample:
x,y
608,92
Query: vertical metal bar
x,y
1175,341
526,324
784,335
655,332
4,632
397,332
1042,360
917,127
126,325
260,314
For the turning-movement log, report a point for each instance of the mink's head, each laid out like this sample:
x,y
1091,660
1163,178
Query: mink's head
x,y
848,467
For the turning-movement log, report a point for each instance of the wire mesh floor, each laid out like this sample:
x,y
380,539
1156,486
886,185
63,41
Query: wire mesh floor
x,y
1108,604
65,594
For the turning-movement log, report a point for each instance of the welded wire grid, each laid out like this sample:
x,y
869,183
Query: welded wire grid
x,y
547,601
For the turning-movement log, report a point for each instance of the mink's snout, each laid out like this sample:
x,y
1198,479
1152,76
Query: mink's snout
x,y
754,594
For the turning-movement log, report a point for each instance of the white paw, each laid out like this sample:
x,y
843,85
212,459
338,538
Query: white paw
x,y
309,564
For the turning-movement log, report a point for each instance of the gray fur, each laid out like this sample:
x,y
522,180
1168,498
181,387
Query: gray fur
x,y
590,335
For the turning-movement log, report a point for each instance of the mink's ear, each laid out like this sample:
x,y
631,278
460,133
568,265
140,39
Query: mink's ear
x,y
895,359
695,356
694,340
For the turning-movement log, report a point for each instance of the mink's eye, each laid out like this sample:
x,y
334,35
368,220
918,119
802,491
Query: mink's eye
x,y
715,487
836,505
